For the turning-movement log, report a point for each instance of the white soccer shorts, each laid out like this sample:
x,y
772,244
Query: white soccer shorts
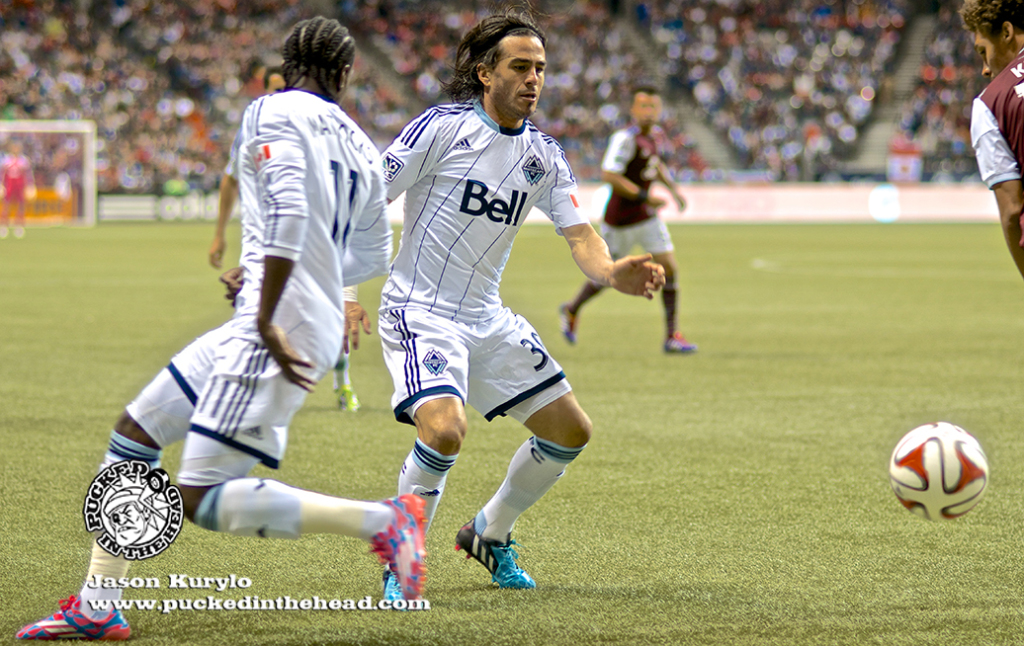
x,y
651,235
499,367
227,388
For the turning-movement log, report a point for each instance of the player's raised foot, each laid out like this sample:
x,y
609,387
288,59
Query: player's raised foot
x,y
498,558
401,547
567,323
70,623
347,399
677,344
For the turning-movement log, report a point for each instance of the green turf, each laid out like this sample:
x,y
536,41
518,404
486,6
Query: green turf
x,y
737,496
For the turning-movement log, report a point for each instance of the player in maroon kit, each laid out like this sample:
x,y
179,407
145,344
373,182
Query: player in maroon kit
x,y
997,118
18,187
631,164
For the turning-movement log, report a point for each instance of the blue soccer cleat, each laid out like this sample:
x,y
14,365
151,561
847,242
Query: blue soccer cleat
x,y
70,623
498,558
400,547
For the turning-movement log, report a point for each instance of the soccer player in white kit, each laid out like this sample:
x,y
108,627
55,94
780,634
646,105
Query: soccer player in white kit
x,y
471,171
313,202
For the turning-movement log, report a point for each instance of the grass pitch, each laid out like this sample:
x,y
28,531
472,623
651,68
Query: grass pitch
x,y
737,496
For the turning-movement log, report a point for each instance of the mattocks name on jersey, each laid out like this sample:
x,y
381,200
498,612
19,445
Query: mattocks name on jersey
x,y
475,202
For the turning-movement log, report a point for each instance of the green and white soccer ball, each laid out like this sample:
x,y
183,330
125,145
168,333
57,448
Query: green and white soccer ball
x,y
938,471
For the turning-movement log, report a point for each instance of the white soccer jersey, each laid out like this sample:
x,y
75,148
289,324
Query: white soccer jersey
x,y
469,184
996,162
313,192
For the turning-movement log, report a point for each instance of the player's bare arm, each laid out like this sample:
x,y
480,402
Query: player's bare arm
x,y
672,187
227,196
276,271
634,275
1010,200
627,188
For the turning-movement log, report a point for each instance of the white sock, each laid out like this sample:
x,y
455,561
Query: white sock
x,y
271,509
104,565
424,473
535,468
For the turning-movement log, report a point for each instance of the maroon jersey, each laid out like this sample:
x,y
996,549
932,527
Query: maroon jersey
x,y
635,156
997,125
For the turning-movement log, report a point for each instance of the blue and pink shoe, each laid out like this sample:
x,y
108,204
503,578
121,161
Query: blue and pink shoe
x,y
70,623
401,545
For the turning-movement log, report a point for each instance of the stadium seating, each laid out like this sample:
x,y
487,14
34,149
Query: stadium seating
x,y
778,77
938,115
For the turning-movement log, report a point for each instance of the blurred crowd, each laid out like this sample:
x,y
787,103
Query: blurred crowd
x,y
937,117
166,82
591,67
787,82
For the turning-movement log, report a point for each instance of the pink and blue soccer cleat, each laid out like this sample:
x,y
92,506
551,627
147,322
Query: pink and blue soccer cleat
x,y
677,344
401,545
70,623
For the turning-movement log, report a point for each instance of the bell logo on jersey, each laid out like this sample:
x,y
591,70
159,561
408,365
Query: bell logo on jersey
x,y
475,202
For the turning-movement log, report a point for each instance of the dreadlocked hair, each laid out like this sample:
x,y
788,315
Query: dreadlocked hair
x,y
318,48
988,16
481,45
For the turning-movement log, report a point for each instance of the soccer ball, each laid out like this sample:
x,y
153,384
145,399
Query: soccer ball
x,y
938,471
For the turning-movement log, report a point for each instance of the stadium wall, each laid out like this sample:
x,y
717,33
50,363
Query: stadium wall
x,y
707,203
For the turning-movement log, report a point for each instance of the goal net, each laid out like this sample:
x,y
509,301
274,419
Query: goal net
x,y
62,159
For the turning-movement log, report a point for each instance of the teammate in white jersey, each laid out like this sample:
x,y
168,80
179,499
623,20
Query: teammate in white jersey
x,y
313,218
471,171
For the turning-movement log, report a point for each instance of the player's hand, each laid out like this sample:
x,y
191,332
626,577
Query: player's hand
x,y
217,251
355,316
638,276
277,343
233,281
30,193
656,202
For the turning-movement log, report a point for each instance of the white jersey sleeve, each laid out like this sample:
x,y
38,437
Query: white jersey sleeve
x,y
281,172
368,243
560,203
996,161
416,151
621,149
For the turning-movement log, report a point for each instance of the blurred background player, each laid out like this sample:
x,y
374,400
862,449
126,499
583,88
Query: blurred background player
x,y
632,162
231,393
470,172
997,118
18,188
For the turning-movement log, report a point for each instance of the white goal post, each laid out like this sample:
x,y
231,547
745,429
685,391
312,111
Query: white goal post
x,y
62,155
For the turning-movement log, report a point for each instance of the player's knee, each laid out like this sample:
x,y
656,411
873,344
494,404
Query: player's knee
x,y
129,428
576,432
442,425
191,498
